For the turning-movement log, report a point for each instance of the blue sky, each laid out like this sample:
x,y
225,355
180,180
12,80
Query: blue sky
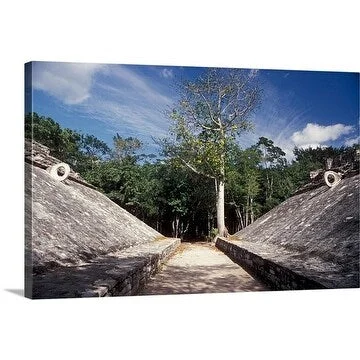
x,y
299,108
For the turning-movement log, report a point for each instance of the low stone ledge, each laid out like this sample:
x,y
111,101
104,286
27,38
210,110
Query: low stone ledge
x,y
276,276
115,274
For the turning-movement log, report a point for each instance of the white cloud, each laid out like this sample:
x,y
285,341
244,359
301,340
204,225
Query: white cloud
x,y
167,73
315,135
128,102
313,146
68,82
142,120
277,119
139,85
352,141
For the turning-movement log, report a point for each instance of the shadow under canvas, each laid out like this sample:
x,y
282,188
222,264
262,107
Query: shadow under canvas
x,y
19,292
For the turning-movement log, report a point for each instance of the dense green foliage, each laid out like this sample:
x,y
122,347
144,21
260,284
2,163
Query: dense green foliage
x,y
213,110
172,198
80,151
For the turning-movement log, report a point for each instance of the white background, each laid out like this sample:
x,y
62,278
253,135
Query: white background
x,y
255,34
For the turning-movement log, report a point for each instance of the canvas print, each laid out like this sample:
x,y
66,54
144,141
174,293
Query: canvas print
x,y
156,180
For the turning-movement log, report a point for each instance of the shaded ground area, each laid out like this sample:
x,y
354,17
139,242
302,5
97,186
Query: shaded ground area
x,y
118,273
200,268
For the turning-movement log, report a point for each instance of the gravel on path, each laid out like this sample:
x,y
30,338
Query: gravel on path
x,y
200,268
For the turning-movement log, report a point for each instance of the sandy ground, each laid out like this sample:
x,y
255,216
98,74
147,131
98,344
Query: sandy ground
x,y
200,268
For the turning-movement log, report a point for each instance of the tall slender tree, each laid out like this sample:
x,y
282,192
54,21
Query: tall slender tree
x,y
212,111
273,158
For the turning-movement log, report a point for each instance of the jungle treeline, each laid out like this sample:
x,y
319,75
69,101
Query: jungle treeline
x,y
170,197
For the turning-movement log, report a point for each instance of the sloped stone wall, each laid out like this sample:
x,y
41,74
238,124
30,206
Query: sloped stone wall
x,y
74,234
72,224
314,234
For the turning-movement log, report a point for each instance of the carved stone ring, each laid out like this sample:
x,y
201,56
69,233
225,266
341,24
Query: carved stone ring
x,y
54,171
332,178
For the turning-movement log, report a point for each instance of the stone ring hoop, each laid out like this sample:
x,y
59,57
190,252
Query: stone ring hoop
x,y
54,171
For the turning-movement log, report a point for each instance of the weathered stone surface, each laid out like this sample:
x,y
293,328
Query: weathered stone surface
x,y
314,234
39,155
72,224
115,274
77,241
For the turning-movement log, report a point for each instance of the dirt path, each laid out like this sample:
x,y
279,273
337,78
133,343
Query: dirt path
x,y
200,268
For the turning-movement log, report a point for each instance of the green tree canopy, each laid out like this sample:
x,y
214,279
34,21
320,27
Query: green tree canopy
x,y
213,110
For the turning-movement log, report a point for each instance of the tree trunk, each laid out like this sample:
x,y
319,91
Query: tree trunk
x,y
220,207
175,226
247,211
252,218
208,223
240,222
184,230
157,225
